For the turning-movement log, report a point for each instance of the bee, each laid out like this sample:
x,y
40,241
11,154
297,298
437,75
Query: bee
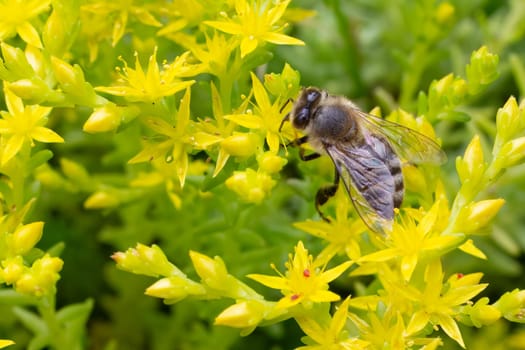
x,y
366,151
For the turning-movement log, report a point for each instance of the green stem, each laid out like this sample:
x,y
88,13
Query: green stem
x,y
46,309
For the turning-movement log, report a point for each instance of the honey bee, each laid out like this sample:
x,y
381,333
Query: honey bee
x,y
366,151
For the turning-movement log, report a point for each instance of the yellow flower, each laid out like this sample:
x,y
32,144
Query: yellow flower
x,y
305,282
255,22
23,124
149,86
16,16
343,233
267,116
332,336
215,54
409,242
119,12
177,140
439,303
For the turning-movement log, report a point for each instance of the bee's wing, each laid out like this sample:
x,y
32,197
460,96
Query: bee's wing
x,y
369,183
408,144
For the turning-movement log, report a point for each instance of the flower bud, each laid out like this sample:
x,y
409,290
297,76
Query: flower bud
x,y
174,288
241,144
25,237
250,185
101,200
212,271
472,166
41,278
509,120
105,118
244,314
512,152
444,12
512,305
34,89
482,70
13,268
16,62
482,314
270,162
144,260
477,215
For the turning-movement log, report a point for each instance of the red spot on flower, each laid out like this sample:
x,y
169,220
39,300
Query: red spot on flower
x,y
306,273
459,275
294,297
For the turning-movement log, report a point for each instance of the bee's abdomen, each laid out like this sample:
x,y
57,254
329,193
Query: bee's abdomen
x,y
399,187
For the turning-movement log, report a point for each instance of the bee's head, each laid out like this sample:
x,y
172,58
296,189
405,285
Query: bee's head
x,y
305,106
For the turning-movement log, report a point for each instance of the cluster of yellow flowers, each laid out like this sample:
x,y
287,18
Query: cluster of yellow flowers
x,y
225,41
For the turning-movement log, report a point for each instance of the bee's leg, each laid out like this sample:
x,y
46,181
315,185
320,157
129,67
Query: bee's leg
x,y
324,194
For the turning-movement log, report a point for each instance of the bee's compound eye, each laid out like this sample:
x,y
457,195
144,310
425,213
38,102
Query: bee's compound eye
x,y
301,118
312,96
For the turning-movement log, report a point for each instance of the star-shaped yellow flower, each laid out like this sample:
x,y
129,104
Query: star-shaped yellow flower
x,y
304,282
137,85
255,22
16,16
331,336
22,124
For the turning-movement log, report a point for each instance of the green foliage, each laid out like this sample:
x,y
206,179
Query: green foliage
x,y
155,129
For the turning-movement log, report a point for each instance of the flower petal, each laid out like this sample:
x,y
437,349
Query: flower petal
x,y
270,281
29,34
12,147
281,39
248,44
227,27
43,134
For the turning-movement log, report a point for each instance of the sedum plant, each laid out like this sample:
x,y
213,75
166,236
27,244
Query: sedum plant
x,y
157,125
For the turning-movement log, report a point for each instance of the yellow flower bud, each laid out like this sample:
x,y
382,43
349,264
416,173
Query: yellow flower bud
x,y
477,215
444,12
34,89
41,278
212,271
174,288
28,284
241,144
25,237
75,171
472,166
270,162
13,268
49,177
242,315
64,72
443,84
105,118
508,119
482,315
145,260
250,185
512,152
101,200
